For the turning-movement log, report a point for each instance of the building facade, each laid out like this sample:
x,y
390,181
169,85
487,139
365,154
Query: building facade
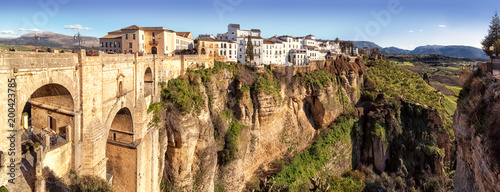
x,y
148,40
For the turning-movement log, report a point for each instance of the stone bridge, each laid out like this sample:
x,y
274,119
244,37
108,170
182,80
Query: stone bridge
x,y
89,114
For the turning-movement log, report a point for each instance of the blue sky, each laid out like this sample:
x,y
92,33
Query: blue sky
x,y
401,23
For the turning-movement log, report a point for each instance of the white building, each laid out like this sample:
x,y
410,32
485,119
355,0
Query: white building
x,y
299,56
285,50
183,41
228,48
234,33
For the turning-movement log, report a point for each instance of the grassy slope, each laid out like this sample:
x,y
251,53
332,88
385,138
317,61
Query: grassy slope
x,y
386,77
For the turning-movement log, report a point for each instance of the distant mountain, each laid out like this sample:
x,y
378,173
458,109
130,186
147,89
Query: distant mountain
x,y
363,44
394,50
50,39
452,51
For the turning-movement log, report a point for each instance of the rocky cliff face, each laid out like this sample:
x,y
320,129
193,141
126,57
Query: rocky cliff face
x,y
251,117
477,130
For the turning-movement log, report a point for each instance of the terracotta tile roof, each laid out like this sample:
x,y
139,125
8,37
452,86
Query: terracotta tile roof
x,y
225,41
267,41
117,31
132,27
255,37
206,39
113,36
153,28
183,34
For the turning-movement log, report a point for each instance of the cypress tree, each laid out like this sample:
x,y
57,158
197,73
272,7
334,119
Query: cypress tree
x,y
249,51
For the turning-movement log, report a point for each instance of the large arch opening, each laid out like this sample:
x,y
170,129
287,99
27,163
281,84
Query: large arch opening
x,y
121,153
148,82
48,120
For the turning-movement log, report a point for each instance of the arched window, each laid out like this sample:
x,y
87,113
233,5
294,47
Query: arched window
x,y
120,87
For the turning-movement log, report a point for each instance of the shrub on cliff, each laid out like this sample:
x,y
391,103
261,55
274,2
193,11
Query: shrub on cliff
x,y
269,87
317,80
3,189
90,184
230,150
186,95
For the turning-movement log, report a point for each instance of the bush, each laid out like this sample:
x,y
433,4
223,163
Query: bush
x,y
156,108
228,154
185,95
317,79
268,87
3,189
90,184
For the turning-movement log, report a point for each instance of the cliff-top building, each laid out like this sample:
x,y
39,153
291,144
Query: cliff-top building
x,y
149,40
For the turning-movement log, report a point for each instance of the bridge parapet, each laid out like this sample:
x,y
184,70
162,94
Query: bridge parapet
x,y
31,60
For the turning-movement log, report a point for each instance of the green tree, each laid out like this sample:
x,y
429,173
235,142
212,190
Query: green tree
x,y
337,41
493,35
249,51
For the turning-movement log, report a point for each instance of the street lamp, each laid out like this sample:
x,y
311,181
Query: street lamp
x,y
78,37
37,39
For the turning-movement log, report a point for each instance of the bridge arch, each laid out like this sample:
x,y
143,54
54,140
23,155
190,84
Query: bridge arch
x,y
26,86
48,113
121,153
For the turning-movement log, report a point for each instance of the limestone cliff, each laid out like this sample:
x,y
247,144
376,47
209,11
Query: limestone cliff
x,y
241,119
477,130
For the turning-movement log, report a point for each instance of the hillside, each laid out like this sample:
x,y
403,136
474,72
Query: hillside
x,y
50,39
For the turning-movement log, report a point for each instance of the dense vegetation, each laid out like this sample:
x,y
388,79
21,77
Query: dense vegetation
x,y
3,189
296,176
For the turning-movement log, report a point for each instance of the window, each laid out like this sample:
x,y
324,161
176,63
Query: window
x,y
230,52
126,36
106,44
229,46
119,44
142,37
102,44
133,36
153,34
130,45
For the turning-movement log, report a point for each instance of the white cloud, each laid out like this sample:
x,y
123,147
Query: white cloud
x,y
8,32
77,27
442,26
410,31
32,30
421,30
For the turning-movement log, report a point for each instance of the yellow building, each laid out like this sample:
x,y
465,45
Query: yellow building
x,y
135,39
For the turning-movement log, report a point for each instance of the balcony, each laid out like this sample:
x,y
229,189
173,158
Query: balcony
x,y
153,43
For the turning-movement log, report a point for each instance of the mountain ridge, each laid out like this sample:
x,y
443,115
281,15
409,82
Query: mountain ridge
x,y
50,39
446,50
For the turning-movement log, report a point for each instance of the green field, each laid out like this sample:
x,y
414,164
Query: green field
x,y
405,63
